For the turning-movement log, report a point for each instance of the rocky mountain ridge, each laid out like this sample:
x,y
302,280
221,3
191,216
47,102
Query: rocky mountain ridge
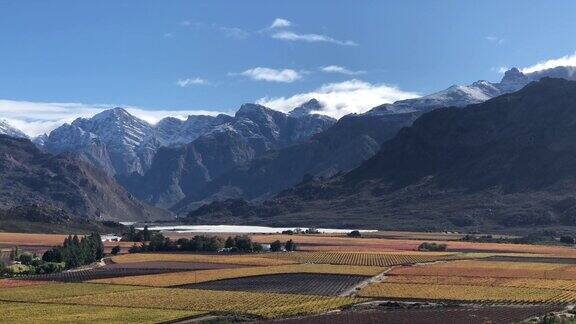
x,y
505,163
122,144
30,177
7,129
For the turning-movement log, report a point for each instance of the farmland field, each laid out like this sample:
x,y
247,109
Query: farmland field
x,y
13,312
57,290
11,283
342,243
268,305
487,281
467,293
246,259
295,283
183,278
495,269
472,315
330,273
365,258
99,273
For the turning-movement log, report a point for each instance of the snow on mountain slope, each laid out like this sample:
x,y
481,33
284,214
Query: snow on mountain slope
x,y
122,144
113,139
6,129
173,131
477,92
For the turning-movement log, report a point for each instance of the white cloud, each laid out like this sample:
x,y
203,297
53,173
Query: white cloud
x,y
233,32
280,23
339,99
568,60
499,69
36,118
272,75
340,69
191,81
310,38
494,39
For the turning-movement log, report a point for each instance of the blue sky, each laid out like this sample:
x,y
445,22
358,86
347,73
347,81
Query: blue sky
x,y
215,55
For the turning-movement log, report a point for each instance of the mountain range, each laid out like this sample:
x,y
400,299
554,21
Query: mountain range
x,y
505,163
261,155
349,142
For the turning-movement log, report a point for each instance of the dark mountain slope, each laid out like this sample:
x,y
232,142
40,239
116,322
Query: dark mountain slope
x,y
178,172
353,139
31,177
506,163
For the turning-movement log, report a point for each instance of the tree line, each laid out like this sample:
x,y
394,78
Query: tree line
x,y
157,242
73,252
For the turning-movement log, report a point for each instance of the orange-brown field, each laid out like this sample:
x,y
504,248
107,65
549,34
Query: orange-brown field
x,y
494,269
40,242
342,243
11,283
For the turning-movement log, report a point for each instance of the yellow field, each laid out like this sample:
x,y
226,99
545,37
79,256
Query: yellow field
x,y
267,305
182,278
492,269
364,258
59,290
467,293
242,259
493,282
16,312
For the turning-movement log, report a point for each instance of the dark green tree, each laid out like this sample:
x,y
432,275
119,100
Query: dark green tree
x,y
14,253
276,246
115,250
290,246
146,234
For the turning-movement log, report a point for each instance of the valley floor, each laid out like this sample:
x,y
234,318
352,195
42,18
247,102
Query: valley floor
x,y
382,278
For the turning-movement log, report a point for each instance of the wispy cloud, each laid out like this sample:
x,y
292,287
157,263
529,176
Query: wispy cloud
x,y
496,40
234,32
36,118
499,69
340,69
191,81
272,75
228,31
310,38
280,23
568,60
339,99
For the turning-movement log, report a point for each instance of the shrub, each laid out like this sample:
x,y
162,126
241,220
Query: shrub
x,y
26,258
426,246
51,267
354,234
115,250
